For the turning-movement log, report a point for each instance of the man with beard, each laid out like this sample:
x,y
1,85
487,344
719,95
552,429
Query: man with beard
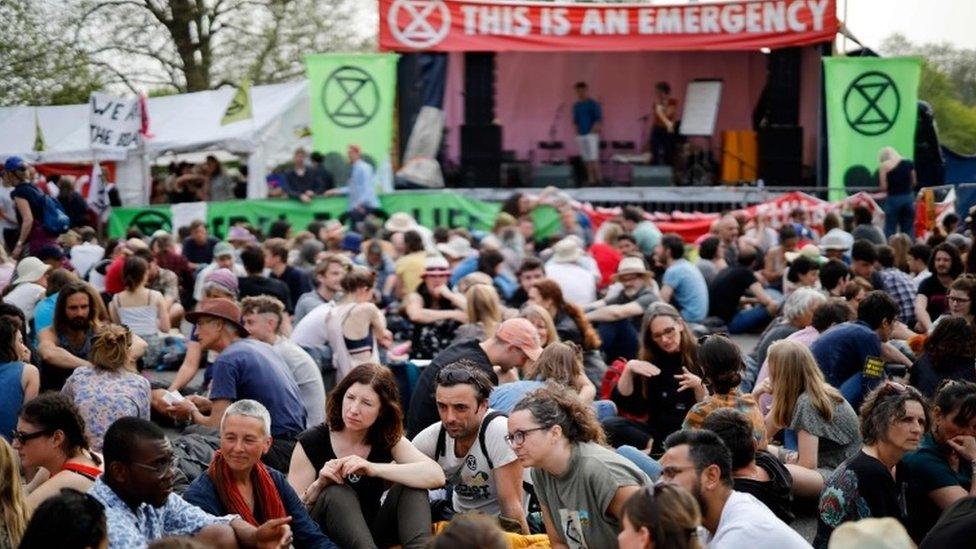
x,y
683,285
698,461
945,265
66,344
140,506
469,444
618,316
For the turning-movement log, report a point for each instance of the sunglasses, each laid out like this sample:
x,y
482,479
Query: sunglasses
x,y
24,438
159,469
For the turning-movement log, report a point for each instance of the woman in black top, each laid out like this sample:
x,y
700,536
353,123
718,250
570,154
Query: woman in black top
x,y
350,460
896,177
948,353
655,392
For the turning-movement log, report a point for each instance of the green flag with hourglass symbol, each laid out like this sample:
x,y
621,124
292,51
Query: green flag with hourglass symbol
x,y
871,104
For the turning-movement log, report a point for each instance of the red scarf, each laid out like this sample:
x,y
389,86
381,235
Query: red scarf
x,y
267,500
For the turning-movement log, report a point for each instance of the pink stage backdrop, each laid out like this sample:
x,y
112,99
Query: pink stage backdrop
x,y
530,87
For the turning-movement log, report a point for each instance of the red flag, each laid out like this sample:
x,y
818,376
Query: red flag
x,y
144,107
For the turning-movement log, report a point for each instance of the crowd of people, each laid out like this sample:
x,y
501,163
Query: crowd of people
x,y
381,383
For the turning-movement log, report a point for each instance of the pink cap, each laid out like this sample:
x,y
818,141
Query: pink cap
x,y
522,334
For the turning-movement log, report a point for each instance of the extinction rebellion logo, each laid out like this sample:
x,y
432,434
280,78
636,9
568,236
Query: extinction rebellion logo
x,y
871,103
350,97
418,30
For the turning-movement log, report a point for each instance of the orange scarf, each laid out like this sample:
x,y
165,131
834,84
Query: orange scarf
x,y
267,500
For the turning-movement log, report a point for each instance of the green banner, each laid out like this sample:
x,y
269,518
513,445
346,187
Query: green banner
x,y
352,102
871,104
434,209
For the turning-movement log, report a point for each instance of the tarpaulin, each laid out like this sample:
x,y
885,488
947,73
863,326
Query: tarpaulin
x,y
455,25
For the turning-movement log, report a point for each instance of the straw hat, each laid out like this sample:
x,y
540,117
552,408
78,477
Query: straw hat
x,y
631,266
567,250
457,247
30,269
436,265
400,222
836,239
871,533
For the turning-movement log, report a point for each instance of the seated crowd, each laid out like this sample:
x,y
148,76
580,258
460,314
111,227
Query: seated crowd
x,y
390,384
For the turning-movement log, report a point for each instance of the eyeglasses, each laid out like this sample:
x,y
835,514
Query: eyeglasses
x,y
160,469
518,437
24,438
667,332
955,299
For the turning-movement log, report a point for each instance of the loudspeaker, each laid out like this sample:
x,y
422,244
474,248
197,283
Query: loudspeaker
x,y
783,87
481,155
781,155
652,176
479,88
556,175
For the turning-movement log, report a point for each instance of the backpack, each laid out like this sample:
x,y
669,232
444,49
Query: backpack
x,y
441,448
54,220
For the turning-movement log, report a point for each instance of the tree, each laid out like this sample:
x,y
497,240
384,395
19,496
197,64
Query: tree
x,y
39,64
194,45
948,83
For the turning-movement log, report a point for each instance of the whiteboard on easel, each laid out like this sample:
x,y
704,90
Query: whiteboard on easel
x,y
701,107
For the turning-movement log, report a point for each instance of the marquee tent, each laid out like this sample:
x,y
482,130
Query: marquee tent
x,y
178,123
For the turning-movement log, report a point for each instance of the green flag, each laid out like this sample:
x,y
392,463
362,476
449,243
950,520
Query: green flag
x,y
871,104
38,134
240,106
352,102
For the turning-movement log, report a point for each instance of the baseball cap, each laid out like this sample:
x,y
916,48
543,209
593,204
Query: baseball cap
x,y
522,334
222,249
14,163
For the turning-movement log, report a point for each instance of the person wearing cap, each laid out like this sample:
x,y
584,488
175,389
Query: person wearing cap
x,y
351,244
30,281
29,203
410,265
328,278
361,187
244,369
515,342
401,222
223,258
276,261
469,444
198,247
575,272
435,310
456,249
618,317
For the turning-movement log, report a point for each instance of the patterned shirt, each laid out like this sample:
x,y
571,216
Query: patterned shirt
x,y
901,288
746,404
135,530
103,396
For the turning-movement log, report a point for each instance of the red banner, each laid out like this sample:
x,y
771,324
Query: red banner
x,y
462,25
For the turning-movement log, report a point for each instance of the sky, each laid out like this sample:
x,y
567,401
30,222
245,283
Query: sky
x,y
921,21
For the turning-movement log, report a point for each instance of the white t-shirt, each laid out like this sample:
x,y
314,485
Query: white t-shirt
x,y
84,255
8,209
25,297
473,482
746,523
310,330
577,283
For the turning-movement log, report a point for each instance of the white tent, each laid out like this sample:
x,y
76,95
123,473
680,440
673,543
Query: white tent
x,y
179,123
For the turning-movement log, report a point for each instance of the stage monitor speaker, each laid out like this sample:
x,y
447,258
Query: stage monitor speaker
x,y
556,175
652,176
781,155
481,155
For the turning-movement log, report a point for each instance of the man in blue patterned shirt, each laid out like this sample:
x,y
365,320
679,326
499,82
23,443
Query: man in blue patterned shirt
x,y
140,506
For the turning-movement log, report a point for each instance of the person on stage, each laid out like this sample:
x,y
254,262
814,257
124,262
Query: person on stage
x,y
664,127
588,119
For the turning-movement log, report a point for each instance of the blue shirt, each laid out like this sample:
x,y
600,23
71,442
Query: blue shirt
x,y
251,369
44,314
690,291
586,113
504,397
463,269
11,396
843,350
307,534
361,187
128,530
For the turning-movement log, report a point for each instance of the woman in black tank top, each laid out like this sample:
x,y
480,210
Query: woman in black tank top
x,y
358,453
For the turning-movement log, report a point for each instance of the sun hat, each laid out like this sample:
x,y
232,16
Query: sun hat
x,y
223,249
871,533
436,265
221,308
567,250
134,244
522,334
224,278
30,269
400,222
631,266
836,239
240,234
810,251
456,247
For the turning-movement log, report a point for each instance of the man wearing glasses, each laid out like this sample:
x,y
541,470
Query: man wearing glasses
x,y
469,444
140,506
